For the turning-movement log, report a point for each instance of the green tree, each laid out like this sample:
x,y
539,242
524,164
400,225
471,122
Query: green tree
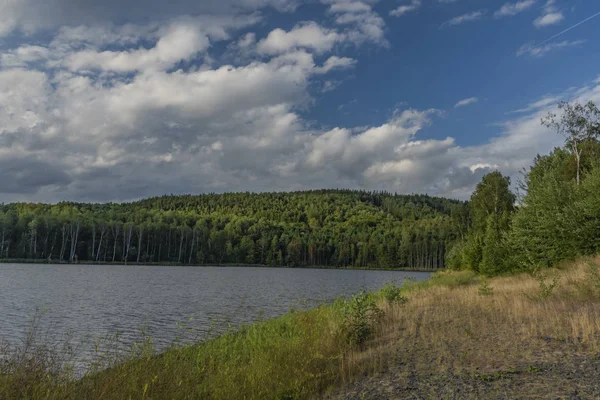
x,y
579,124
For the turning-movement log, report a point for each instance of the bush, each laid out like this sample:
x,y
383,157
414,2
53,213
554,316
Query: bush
x,y
545,288
392,293
361,315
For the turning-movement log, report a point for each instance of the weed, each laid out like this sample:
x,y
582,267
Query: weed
x,y
485,289
545,288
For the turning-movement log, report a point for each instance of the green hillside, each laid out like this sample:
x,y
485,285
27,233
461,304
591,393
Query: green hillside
x,y
337,228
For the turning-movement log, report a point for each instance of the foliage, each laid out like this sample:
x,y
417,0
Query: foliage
x,y
558,213
360,318
579,124
485,289
338,228
392,293
545,288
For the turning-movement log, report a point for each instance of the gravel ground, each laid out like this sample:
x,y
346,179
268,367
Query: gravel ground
x,y
576,377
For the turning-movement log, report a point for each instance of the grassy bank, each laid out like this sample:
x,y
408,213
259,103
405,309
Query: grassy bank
x,y
413,343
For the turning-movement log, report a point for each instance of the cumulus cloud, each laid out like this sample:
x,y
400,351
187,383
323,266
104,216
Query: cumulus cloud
x,y
359,20
510,9
123,121
466,102
309,36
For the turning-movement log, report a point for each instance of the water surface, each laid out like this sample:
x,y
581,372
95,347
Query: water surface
x,y
95,301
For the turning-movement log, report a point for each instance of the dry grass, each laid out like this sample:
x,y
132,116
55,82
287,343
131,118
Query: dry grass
x,y
514,322
514,325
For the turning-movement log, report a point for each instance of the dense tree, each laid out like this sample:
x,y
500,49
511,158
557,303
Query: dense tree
x,y
558,215
492,198
325,228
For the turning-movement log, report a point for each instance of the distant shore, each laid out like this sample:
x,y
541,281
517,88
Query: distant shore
x,y
171,264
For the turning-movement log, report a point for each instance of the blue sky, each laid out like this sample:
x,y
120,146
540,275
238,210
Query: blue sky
x,y
118,100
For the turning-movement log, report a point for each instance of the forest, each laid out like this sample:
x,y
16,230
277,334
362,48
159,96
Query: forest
x,y
554,215
325,228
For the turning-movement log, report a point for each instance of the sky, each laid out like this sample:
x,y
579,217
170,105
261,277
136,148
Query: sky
x,y
124,99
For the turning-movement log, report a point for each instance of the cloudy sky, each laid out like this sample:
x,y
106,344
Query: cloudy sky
x,y
117,100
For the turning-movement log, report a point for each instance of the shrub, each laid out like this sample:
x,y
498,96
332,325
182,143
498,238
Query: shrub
x,y
392,293
545,288
360,318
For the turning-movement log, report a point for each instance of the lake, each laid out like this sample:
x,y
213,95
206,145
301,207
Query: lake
x,y
94,301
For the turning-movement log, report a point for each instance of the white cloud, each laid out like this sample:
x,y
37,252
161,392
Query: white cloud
x,y
400,11
125,129
544,102
548,19
23,55
461,19
358,19
510,9
466,102
335,62
539,51
180,43
308,36
550,15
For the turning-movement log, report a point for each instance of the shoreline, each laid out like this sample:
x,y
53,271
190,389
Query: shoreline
x,y
156,264
457,335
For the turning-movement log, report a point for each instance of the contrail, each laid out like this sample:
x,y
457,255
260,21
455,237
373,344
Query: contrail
x,y
568,29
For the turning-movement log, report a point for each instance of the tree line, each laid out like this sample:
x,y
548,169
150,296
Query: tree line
x,y
336,228
555,214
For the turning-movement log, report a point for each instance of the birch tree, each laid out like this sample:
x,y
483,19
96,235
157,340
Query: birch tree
x,y
578,124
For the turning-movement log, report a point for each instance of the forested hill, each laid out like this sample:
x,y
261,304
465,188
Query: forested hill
x,y
315,228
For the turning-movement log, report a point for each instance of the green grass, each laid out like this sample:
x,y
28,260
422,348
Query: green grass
x,y
298,355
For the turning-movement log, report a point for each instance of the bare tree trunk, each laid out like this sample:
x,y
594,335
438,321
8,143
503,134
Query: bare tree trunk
x,y
63,245
115,231
180,245
127,241
102,230
192,249
74,233
140,235
93,240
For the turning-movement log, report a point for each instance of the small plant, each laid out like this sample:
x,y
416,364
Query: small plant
x,y
485,289
546,288
360,317
393,293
